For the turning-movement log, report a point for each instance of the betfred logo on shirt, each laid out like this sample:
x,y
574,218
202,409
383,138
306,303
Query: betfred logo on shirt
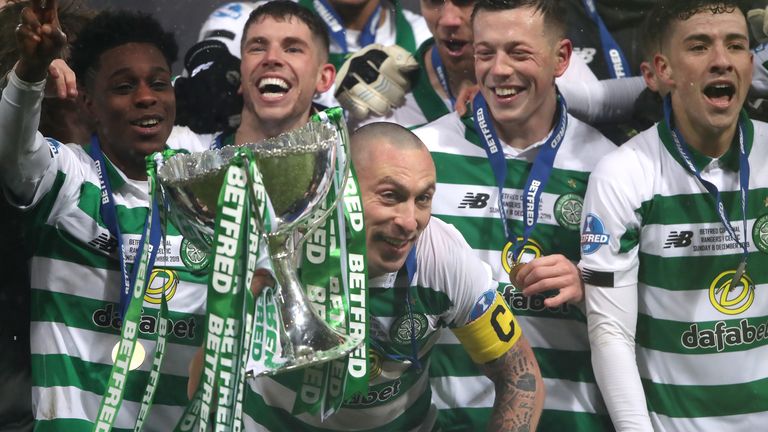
x,y
593,235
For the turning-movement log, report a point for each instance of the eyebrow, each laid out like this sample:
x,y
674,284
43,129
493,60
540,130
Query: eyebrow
x,y
127,69
391,181
290,40
703,37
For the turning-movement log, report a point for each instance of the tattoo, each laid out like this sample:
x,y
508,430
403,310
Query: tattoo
x,y
514,376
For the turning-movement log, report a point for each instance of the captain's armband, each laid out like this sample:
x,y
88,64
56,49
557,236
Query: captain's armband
x,y
492,334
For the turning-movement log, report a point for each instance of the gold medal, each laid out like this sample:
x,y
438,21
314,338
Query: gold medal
x,y
513,275
136,359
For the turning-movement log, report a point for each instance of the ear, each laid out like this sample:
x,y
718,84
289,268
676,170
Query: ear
x,y
649,76
326,77
563,53
663,70
87,103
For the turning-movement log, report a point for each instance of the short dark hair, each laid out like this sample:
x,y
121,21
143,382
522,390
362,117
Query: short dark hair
x,y
110,29
281,10
666,12
552,11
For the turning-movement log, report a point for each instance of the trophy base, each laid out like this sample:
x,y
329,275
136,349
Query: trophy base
x,y
305,356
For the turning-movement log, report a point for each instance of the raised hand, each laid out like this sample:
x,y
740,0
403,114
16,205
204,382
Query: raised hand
x,y
39,38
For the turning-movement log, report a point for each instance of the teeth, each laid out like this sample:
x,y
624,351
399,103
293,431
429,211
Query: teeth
x,y
396,243
147,123
274,82
500,91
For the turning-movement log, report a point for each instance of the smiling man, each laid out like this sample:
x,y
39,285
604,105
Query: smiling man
x,y
86,207
511,178
674,241
284,64
423,279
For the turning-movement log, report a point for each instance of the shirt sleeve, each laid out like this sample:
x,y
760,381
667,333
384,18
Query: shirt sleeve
x,y
479,316
592,100
611,221
611,224
26,157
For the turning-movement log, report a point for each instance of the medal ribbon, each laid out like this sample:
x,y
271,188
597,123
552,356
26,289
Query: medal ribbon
x,y
618,66
684,152
137,282
540,171
153,162
108,212
336,28
437,64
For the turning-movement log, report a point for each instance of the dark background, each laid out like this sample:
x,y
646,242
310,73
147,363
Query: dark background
x,y
184,18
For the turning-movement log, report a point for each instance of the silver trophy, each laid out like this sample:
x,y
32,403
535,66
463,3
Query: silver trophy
x,y
298,169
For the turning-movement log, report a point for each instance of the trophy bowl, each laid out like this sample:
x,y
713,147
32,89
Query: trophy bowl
x,y
298,169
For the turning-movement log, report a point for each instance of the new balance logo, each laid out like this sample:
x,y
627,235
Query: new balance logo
x,y
678,239
474,200
105,242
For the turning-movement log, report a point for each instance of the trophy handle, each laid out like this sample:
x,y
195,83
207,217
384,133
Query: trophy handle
x,y
343,163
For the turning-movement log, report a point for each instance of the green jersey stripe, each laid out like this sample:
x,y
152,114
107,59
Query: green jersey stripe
x,y
666,399
674,273
63,370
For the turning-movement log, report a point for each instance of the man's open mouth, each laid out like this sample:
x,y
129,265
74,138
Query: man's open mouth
x,y
273,87
720,93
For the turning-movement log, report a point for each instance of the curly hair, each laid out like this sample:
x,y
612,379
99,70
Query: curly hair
x,y
666,12
110,29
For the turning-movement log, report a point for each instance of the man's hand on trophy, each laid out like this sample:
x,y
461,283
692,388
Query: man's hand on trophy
x,y
262,278
39,39
374,80
758,24
207,99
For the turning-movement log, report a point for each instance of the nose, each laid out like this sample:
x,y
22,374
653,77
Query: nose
x,y
501,65
145,95
721,59
450,15
272,55
405,219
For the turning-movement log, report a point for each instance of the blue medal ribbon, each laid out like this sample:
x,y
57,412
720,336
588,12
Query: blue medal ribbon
x,y
537,178
108,212
618,66
437,64
336,29
410,268
685,153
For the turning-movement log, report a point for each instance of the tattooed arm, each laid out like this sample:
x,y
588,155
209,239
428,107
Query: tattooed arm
x,y
519,389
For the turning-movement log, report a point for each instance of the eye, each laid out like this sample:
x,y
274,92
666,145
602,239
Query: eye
x,y
483,54
255,49
424,199
160,85
737,46
123,87
519,54
388,196
294,50
698,48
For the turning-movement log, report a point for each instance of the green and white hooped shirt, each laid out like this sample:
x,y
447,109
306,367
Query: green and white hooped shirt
x,y
467,197
700,342
447,284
